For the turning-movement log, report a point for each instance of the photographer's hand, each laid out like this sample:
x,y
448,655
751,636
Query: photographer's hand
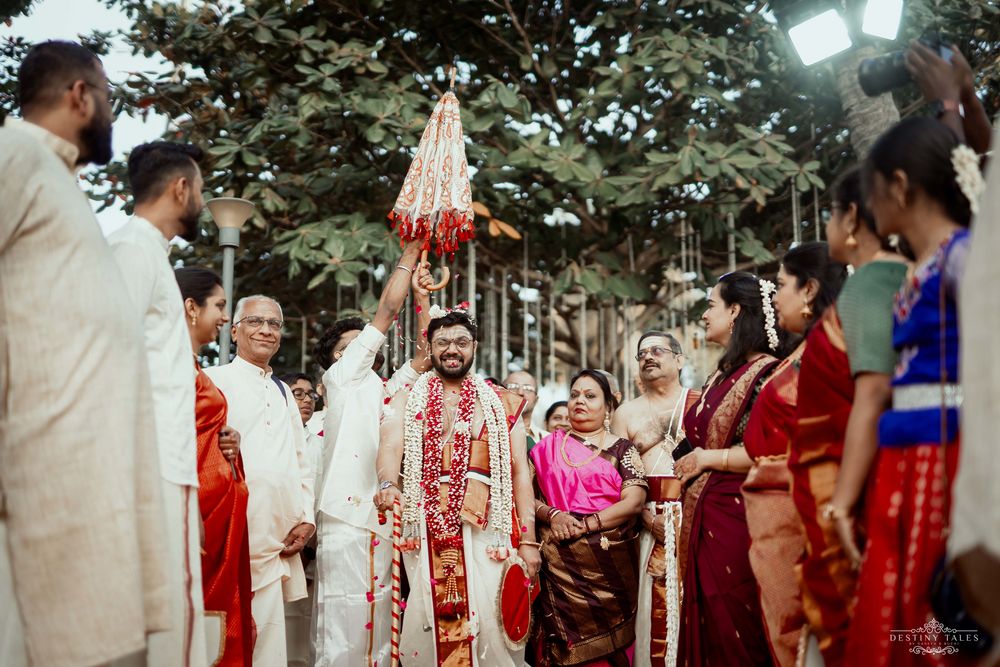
x,y
937,78
976,123
939,81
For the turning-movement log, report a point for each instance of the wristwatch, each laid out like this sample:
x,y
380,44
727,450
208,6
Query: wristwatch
x,y
385,484
941,107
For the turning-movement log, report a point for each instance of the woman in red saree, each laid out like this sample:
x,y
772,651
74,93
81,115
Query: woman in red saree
x,y
808,282
591,487
222,489
721,621
843,379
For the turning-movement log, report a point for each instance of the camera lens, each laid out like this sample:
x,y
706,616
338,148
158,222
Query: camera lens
x,y
883,73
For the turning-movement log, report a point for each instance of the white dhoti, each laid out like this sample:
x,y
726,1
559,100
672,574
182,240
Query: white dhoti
x,y
268,609
418,647
352,612
657,621
187,607
299,629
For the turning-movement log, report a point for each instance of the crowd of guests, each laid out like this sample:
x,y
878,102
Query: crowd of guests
x,y
813,502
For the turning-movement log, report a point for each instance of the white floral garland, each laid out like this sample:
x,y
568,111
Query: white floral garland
x,y
673,593
767,291
965,162
501,478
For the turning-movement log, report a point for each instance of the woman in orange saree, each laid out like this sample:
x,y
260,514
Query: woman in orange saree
x,y
846,364
222,488
721,621
808,282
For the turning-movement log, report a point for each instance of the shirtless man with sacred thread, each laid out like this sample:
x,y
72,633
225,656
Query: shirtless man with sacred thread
x,y
654,422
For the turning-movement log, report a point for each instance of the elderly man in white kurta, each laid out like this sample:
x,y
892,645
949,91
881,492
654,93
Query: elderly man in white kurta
x,y
353,550
166,187
83,575
280,516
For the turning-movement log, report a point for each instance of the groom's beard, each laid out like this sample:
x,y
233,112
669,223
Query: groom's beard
x,y
452,373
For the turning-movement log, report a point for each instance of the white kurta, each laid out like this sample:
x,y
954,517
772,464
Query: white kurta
x,y
281,493
352,613
975,512
80,503
142,252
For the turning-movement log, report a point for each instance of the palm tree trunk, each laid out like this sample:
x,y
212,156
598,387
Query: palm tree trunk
x,y
867,117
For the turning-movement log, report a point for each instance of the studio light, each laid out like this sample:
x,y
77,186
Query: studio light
x,y
882,18
816,29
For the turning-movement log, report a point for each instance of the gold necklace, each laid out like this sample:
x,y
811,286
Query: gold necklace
x,y
580,464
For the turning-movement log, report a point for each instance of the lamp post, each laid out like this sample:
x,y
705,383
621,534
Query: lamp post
x,y
229,214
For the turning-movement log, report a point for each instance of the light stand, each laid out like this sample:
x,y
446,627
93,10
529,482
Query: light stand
x,y
229,213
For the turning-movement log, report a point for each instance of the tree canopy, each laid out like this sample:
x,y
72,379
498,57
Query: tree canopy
x,y
609,132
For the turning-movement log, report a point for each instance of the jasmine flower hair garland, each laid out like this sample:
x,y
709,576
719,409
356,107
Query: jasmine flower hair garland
x,y
767,290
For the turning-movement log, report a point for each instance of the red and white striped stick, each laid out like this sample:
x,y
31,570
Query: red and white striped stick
x,y
397,543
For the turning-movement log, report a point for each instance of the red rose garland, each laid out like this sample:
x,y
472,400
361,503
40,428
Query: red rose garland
x,y
445,527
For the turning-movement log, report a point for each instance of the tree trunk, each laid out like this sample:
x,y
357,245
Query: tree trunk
x,y
867,117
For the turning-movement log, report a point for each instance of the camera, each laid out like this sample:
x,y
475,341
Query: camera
x,y
884,73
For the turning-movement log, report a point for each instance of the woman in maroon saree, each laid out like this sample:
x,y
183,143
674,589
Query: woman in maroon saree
x,y
721,622
222,488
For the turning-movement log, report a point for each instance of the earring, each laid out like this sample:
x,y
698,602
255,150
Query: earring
x,y
607,422
732,325
851,242
194,320
807,311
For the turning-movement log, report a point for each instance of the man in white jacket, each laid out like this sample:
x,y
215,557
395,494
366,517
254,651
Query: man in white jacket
x,y
353,548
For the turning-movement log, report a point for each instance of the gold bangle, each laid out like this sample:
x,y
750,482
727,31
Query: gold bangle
x,y
725,460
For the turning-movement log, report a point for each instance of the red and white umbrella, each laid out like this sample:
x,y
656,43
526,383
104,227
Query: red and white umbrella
x,y
435,203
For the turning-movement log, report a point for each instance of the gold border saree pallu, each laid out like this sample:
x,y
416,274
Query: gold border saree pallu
x,y
826,394
589,601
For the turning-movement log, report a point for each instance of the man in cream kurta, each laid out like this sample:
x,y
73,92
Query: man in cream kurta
x,y
82,568
166,187
280,516
974,542
353,550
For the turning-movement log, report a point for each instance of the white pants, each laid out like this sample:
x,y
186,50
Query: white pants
x,y
298,629
187,603
352,614
268,607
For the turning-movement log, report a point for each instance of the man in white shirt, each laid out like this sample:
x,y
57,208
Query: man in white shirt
x,y
83,575
166,187
298,614
354,554
280,516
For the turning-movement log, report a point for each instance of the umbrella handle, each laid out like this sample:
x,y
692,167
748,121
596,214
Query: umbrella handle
x,y
445,275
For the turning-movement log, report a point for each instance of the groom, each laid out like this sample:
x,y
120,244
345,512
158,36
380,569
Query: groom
x,y
466,471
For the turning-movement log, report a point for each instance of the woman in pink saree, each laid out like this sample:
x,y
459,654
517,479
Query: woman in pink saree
x,y
721,621
591,488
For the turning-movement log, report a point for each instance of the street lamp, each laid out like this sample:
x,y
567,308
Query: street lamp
x,y
229,214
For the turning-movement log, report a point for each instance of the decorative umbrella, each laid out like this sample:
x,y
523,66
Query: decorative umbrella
x,y
435,203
